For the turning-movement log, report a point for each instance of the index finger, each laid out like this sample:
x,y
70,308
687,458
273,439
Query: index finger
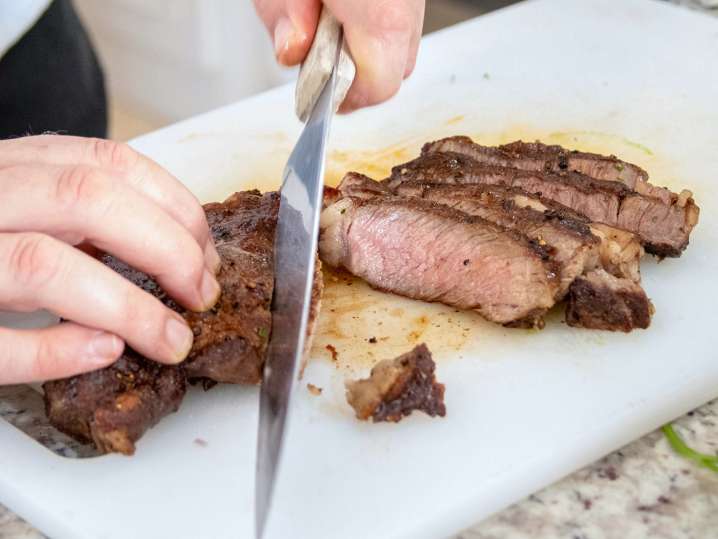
x,y
138,171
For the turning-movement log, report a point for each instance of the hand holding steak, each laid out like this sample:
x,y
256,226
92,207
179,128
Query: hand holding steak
x,y
113,407
62,195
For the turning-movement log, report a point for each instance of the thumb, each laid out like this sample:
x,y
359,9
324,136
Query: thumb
x,y
291,24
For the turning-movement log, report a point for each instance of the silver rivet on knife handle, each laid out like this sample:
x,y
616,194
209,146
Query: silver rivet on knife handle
x,y
318,65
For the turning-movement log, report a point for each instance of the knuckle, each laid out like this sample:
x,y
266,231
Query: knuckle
x,y
34,260
197,222
46,358
115,155
185,264
77,185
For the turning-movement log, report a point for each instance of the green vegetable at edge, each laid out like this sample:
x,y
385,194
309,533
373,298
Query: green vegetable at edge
x,y
680,447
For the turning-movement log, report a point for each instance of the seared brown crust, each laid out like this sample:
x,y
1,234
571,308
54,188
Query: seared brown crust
x,y
231,339
662,219
113,407
397,387
601,301
453,167
552,158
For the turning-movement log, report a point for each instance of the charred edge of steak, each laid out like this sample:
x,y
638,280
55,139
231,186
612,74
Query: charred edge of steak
x,y
553,158
397,387
113,407
533,320
607,167
608,305
664,250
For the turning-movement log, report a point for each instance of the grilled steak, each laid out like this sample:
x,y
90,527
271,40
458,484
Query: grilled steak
x,y
577,245
570,242
427,251
664,228
231,339
113,407
397,387
537,156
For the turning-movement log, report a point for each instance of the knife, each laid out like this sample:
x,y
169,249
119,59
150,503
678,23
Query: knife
x,y
323,82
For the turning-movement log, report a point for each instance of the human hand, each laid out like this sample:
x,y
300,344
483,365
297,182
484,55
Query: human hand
x,y
383,37
61,192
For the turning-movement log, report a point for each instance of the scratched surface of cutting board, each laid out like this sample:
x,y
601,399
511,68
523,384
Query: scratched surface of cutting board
x,y
636,78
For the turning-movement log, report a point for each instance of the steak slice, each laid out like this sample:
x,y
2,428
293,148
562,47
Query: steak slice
x,y
570,242
577,245
551,158
599,300
663,228
113,407
427,251
397,387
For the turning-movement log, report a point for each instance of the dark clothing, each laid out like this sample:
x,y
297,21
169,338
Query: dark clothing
x,y
51,80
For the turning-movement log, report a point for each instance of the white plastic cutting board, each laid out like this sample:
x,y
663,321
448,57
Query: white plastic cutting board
x,y
524,408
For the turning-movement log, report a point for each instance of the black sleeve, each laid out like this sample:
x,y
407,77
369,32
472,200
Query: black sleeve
x,y
51,80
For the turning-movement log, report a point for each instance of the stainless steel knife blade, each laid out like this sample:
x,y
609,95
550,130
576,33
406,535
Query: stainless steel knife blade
x,y
294,264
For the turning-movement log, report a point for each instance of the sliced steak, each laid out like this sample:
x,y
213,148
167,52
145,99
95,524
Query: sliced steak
x,y
397,387
427,251
619,251
551,158
113,407
570,242
663,228
576,244
600,300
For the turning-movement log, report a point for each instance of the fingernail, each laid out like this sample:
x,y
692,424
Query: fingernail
x,y
283,34
209,289
179,336
211,258
105,347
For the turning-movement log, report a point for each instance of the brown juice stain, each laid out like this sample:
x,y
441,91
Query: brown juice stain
x,y
456,119
374,163
359,326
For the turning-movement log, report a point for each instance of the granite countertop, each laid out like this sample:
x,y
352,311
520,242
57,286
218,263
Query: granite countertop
x,y
642,490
